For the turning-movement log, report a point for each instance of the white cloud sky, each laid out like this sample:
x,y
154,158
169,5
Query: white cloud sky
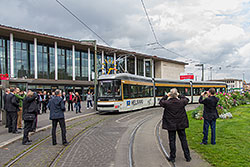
x,y
214,32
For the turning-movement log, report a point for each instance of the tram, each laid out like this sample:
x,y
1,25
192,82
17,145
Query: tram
x,y
127,92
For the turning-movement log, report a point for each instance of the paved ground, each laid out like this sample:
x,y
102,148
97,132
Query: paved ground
x,y
99,140
43,121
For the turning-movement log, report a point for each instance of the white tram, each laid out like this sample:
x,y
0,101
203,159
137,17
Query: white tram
x,y
127,92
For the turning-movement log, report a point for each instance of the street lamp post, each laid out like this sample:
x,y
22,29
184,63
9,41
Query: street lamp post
x,y
93,42
202,68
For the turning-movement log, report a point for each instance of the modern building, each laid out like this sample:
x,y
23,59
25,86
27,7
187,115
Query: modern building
x,y
232,84
45,62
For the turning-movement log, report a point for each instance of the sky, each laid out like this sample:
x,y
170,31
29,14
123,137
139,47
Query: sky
x,y
211,32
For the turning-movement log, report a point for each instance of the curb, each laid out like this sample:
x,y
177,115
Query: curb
x,y
3,144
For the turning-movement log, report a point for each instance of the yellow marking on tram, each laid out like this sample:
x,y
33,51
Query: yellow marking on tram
x,y
137,83
209,86
110,101
172,85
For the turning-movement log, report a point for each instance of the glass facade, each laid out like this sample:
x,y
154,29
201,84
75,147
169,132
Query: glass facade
x,y
3,68
140,67
23,60
131,65
51,63
148,68
85,65
69,65
77,65
61,58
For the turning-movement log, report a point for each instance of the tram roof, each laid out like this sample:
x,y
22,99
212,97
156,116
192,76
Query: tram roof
x,y
160,80
125,76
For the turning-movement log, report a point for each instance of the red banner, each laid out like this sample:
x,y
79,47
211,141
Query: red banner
x,y
4,77
183,77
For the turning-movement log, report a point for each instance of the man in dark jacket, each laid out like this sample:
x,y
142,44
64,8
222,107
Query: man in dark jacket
x,y
210,114
12,108
57,108
30,110
175,120
45,99
7,91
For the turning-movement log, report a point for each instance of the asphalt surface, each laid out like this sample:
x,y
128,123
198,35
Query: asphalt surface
x,y
100,140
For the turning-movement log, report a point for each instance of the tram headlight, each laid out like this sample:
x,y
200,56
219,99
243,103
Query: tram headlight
x,y
117,106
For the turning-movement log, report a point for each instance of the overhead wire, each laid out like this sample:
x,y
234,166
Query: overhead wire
x,y
84,24
154,34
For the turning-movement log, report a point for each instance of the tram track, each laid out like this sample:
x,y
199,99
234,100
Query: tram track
x,y
35,146
132,138
162,149
164,152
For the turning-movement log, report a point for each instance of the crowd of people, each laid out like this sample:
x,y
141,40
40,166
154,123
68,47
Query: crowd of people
x,y
23,108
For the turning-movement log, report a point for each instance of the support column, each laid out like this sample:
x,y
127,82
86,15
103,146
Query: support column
x,y
56,62
144,68
115,67
89,65
102,62
135,65
153,68
73,63
11,56
126,64
35,58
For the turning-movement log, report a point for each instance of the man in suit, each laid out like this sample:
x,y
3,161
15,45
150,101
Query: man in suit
x,y
12,109
175,120
57,108
45,99
7,91
210,114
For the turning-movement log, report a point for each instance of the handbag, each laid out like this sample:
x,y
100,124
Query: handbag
x,y
33,107
29,117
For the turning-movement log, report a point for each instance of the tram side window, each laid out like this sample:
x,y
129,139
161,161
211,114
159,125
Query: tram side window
x,y
162,91
126,90
117,88
181,91
148,91
133,91
196,91
140,91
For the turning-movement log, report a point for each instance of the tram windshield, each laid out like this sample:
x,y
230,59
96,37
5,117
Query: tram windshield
x,y
109,88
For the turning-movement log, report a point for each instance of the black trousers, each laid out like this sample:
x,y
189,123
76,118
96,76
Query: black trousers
x,y
7,124
34,123
44,107
26,130
63,130
12,121
172,143
70,105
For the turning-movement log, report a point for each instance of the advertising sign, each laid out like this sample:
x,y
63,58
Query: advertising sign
x,y
4,76
187,77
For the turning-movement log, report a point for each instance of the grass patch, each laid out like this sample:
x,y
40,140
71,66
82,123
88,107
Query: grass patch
x,y
232,147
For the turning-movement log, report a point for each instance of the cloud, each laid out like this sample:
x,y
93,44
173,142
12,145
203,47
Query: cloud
x,y
207,31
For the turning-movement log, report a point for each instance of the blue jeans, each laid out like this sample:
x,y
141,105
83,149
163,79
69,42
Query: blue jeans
x,y
78,107
206,124
89,103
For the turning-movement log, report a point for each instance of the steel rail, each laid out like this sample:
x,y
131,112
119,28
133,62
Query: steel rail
x,y
132,138
160,142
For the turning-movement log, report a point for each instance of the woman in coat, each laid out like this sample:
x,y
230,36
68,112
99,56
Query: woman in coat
x,y
30,110
175,120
